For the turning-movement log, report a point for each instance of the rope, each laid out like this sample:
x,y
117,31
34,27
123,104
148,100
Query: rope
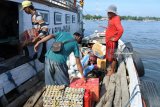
x,y
133,95
10,78
33,66
132,98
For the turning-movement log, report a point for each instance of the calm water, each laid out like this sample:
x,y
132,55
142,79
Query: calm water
x,y
145,38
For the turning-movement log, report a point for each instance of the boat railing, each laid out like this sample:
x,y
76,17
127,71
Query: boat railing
x,y
70,4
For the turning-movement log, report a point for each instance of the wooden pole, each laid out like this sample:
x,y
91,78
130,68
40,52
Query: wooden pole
x,y
125,90
33,99
39,102
118,94
104,86
110,92
107,99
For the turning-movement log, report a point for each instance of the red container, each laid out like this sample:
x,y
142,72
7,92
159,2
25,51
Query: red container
x,y
87,99
92,84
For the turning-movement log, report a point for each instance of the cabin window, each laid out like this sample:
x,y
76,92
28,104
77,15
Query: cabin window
x,y
67,18
73,18
57,18
45,15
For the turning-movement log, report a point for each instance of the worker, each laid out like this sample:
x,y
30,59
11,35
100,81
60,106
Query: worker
x,y
56,69
39,26
113,33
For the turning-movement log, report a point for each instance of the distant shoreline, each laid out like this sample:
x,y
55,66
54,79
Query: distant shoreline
x,y
128,18
125,20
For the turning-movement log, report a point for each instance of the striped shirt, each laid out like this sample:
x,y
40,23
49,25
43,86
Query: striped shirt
x,y
39,24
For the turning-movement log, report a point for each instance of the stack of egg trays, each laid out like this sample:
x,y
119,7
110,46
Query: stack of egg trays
x,y
53,96
73,97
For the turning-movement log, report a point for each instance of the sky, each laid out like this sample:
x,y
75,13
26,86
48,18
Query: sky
x,y
124,7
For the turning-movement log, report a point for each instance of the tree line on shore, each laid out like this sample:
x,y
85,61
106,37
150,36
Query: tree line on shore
x,y
139,18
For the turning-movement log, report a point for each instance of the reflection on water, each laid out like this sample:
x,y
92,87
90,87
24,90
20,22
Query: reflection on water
x,y
145,38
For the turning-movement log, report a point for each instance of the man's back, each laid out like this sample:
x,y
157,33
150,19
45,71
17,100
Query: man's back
x,y
61,57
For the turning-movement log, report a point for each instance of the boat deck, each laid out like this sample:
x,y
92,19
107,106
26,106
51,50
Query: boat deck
x,y
36,100
114,91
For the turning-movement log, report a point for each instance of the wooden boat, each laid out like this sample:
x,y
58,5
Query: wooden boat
x,y
123,88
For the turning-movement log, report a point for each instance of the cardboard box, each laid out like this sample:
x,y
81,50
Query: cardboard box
x,y
99,50
101,64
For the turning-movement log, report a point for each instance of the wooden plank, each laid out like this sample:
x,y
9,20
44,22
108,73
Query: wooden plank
x,y
23,97
39,102
106,81
125,90
104,86
19,75
101,102
33,99
107,98
110,91
103,91
118,94
29,84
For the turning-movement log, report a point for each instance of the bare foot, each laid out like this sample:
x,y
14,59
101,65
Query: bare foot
x,y
109,72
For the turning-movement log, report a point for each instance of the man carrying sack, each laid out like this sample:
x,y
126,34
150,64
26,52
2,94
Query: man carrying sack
x,y
39,28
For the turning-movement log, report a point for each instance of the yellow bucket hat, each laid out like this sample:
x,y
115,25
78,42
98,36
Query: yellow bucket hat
x,y
26,4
